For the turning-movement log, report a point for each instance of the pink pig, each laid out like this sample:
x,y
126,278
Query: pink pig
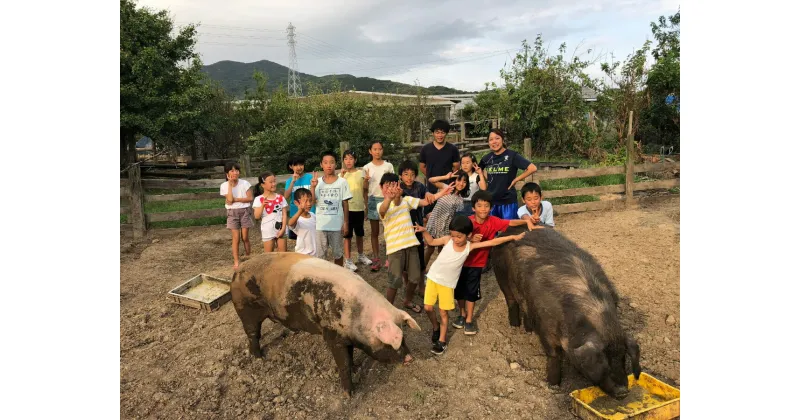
x,y
313,295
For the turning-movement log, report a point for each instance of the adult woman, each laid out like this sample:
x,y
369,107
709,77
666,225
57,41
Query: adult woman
x,y
500,168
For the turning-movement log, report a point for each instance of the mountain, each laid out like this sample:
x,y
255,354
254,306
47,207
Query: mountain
x,y
236,77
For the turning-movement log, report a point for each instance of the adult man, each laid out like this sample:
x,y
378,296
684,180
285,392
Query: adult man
x,y
438,157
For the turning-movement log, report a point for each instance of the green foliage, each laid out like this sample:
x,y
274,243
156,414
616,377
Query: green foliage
x,y
235,78
542,99
310,125
155,81
664,79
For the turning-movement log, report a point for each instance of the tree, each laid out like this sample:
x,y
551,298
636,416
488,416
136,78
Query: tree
x,y
624,92
158,73
662,117
542,98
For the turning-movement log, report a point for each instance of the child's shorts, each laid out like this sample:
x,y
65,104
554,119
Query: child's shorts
x,y
444,294
334,241
407,260
355,224
505,211
469,284
372,207
268,232
239,218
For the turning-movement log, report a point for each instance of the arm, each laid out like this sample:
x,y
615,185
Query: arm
x,y
444,177
248,197
429,240
425,202
293,220
229,196
481,179
497,241
524,221
287,194
346,209
528,172
258,212
284,221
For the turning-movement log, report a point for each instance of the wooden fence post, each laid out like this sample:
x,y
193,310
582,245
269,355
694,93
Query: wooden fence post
x,y
494,122
629,162
463,129
137,217
343,146
244,164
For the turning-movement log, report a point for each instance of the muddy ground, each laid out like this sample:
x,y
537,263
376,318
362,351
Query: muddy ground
x,y
178,362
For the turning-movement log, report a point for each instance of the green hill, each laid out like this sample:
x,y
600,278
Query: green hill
x,y
236,77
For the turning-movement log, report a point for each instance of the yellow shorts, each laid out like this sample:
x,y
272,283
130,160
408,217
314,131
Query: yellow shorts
x,y
434,290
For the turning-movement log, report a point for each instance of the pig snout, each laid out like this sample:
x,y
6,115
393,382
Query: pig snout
x,y
620,392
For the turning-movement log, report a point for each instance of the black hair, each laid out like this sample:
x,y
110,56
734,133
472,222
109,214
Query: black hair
x,y
295,160
372,143
461,224
458,175
258,189
500,133
230,165
300,193
349,152
328,153
482,195
408,165
440,125
530,187
389,177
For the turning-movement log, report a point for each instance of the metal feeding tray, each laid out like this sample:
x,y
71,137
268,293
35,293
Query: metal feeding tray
x,y
202,292
648,398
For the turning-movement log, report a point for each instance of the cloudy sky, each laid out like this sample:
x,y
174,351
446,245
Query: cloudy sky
x,y
460,44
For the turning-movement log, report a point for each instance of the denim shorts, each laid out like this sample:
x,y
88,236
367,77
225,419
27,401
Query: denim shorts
x,y
372,207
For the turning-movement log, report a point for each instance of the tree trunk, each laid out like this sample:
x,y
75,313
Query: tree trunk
x,y
127,147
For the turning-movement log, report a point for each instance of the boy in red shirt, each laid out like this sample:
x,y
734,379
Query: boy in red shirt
x,y
484,228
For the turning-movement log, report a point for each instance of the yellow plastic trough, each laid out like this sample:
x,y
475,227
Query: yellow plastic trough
x,y
649,399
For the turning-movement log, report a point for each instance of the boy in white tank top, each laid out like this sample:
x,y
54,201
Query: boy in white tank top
x,y
445,270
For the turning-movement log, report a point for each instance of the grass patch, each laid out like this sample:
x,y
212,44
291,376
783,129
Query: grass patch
x,y
165,191
572,200
183,205
206,221
123,218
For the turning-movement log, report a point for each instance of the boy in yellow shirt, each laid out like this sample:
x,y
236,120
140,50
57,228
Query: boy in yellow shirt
x,y
355,179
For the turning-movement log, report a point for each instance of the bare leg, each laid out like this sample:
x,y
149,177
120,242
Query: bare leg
x,y
246,241
432,317
235,245
269,245
347,248
409,294
359,245
375,230
390,295
443,332
470,310
462,305
428,254
282,244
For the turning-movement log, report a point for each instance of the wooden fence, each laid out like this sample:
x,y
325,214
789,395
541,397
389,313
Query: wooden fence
x,y
133,198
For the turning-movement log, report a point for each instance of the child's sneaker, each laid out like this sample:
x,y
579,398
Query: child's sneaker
x,y
376,264
435,336
458,322
439,348
363,259
470,328
349,265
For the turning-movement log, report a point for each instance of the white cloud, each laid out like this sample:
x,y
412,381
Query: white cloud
x,y
452,42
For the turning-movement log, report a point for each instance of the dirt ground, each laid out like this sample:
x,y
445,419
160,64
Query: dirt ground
x,y
178,362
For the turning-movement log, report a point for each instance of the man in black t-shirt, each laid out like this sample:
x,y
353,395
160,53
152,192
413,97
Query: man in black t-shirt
x,y
438,157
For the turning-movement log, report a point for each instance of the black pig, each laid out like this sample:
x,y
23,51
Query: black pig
x,y
565,297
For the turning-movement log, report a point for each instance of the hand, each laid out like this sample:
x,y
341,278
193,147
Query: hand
x,y
536,219
314,180
449,175
388,191
477,238
520,236
344,228
531,225
281,232
366,212
448,189
366,176
295,176
479,171
418,228
398,190
430,197
343,171
514,182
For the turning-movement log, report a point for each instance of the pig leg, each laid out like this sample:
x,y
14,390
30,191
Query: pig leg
x,y
553,366
502,275
343,355
253,330
528,322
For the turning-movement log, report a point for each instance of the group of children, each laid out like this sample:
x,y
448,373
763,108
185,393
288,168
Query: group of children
x,y
325,212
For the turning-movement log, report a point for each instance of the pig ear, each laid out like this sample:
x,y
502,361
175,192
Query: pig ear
x,y
389,333
633,353
405,317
